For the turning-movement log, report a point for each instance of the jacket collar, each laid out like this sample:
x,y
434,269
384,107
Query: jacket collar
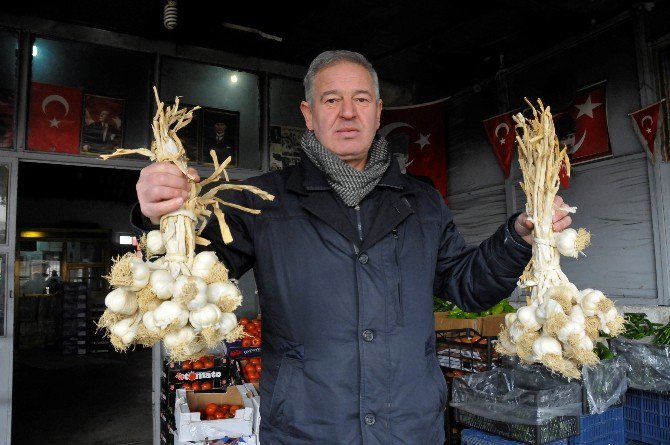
x,y
307,177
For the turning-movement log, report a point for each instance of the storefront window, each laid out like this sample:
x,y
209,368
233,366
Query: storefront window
x,y
88,99
229,121
286,121
8,58
3,292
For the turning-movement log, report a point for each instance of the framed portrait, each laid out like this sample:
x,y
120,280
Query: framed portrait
x,y
6,118
284,146
102,126
219,131
190,134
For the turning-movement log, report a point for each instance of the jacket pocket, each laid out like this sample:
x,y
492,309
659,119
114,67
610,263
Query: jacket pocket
x,y
435,372
285,396
400,319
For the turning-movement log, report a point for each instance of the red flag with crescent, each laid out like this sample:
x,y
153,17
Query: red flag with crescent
x,y
646,126
55,118
417,138
501,134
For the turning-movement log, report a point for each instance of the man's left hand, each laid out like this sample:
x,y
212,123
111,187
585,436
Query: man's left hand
x,y
561,220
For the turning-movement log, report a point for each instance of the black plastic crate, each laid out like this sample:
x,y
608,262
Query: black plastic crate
x,y
557,428
466,350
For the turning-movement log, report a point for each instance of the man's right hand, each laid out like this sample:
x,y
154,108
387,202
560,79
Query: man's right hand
x,y
162,188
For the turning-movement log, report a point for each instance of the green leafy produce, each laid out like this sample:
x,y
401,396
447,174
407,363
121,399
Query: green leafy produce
x,y
662,335
639,326
602,351
502,307
440,305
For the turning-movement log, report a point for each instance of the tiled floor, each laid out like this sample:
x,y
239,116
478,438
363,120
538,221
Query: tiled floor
x,y
100,399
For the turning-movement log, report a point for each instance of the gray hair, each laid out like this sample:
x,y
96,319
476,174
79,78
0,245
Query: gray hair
x,y
328,58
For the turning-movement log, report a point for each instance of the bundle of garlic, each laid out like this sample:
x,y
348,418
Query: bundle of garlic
x,y
185,300
560,324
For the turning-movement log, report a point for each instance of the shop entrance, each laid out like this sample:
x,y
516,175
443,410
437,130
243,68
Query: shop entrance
x,y
69,386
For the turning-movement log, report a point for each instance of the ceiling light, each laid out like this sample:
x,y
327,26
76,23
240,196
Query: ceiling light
x,y
34,50
233,78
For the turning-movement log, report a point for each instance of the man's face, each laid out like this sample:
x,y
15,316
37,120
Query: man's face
x,y
345,113
220,127
103,116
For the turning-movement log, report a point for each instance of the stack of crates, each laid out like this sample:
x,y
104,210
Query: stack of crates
x,y
75,296
647,417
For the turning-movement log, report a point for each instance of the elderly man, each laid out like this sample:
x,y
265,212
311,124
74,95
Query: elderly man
x,y
347,259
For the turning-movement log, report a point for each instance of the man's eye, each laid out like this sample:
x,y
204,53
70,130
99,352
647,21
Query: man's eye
x,y
331,101
362,99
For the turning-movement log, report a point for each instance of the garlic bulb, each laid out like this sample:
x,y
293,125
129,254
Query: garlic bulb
x,y
546,345
569,329
565,242
155,242
208,315
509,319
516,331
203,263
121,301
577,315
181,337
191,291
227,322
590,300
162,283
170,312
546,309
149,322
125,330
141,274
526,317
224,292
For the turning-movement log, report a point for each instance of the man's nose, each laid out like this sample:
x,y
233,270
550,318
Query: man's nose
x,y
348,110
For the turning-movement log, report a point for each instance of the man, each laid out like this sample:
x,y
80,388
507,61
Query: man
x,y
218,140
347,259
101,135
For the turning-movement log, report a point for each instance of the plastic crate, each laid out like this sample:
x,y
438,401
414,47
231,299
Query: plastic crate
x,y
601,429
466,350
647,417
477,437
557,428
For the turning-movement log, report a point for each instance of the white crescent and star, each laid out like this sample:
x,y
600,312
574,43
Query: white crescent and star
x,y
53,122
386,129
586,109
504,126
651,121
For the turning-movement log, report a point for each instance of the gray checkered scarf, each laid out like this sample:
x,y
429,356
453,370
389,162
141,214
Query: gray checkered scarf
x,y
350,184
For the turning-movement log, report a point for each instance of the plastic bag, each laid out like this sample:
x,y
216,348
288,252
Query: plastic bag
x,y
525,395
648,365
604,385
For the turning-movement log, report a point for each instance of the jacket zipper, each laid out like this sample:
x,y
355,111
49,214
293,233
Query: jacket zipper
x,y
359,225
396,248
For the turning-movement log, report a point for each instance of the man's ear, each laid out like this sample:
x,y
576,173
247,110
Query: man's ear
x,y
307,114
379,113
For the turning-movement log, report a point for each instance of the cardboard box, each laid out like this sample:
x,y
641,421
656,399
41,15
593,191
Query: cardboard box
x,y
191,428
235,350
488,326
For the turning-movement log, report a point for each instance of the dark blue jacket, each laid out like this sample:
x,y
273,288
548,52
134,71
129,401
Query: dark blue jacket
x,y
346,297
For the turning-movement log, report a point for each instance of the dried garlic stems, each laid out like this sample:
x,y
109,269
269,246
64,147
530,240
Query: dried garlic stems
x,y
179,227
541,158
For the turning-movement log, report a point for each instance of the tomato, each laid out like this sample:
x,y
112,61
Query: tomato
x,y
206,386
253,374
244,321
207,362
256,321
186,385
233,409
195,386
224,408
187,365
255,360
211,417
258,369
249,367
198,364
255,341
211,408
246,342
220,414
250,329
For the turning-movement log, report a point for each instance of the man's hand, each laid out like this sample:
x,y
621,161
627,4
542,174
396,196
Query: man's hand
x,y
162,188
560,221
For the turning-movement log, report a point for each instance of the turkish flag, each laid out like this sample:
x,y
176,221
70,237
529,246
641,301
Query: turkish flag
x,y
582,127
646,126
55,118
501,134
417,134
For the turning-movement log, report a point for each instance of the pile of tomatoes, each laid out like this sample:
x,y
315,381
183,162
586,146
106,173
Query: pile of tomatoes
x,y
198,386
204,362
251,368
214,412
252,329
